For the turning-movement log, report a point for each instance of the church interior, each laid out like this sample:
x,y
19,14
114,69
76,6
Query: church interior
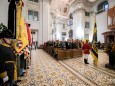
x,y
58,42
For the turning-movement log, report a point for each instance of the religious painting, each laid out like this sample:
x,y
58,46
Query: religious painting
x,y
63,33
64,9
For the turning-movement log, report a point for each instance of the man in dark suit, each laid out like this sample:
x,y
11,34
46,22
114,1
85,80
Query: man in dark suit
x,y
7,58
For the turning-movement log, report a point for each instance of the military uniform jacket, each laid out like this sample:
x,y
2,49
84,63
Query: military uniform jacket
x,y
6,54
86,47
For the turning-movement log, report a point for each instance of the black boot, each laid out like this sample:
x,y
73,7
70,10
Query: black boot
x,y
1,82
86,62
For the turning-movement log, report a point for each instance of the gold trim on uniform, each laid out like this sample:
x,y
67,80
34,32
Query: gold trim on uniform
x,y
3,75
6,45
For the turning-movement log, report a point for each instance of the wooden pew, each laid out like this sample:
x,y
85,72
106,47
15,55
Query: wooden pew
x,y
76,53
62,54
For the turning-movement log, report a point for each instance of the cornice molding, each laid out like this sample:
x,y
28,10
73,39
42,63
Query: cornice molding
x,y
78,10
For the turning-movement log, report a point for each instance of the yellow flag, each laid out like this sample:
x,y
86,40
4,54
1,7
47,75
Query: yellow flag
x,y
94,51
21,31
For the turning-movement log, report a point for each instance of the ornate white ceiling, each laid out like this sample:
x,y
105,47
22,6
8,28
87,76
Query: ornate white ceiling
x,y
91,0
61,7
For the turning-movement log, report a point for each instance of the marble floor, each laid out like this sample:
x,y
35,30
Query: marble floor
x,y
46,71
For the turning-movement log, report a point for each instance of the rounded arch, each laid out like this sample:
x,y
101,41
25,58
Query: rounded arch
x,y
103,6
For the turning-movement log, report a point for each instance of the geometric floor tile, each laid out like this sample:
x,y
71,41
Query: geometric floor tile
x,y
46,71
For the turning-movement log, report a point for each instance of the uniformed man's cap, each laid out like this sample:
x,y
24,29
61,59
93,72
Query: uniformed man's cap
x,y
87,40
6,34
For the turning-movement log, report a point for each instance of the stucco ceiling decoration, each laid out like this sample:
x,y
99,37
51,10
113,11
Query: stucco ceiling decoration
x,y
61,7
92,0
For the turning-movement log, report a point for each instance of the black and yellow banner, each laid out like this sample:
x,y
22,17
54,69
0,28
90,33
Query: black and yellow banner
x,y
94,51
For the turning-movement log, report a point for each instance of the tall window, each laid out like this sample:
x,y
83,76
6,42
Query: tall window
x,y
35,1
103,6
87,14
33,15
63,33
87,25
86,36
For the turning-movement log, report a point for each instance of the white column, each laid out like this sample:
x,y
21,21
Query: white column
x,y
78,24
40,32
44,21
58,31
4,11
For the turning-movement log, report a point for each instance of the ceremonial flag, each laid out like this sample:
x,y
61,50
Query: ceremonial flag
x,y
21,31
12,17
94,50
28,32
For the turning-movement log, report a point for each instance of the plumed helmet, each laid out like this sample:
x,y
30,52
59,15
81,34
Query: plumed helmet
x,y
6,34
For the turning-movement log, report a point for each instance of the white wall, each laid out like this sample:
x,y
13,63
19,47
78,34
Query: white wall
x,y
101,20
43,25
35,25
4,11
101,25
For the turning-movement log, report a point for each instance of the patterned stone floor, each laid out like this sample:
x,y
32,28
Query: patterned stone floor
x,y
46,71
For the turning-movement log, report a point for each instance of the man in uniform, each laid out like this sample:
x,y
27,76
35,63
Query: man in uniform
x,y
86,48
7,58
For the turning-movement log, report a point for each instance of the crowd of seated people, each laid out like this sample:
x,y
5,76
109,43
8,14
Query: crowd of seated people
x,y
69,44
52,46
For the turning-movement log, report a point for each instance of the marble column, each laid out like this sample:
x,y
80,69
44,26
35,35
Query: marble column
x,y
59,28
78,24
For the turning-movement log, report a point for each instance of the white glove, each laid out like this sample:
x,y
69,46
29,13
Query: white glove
x,y
5,79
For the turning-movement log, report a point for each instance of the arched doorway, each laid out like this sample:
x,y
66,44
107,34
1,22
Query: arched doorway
x,y
110,38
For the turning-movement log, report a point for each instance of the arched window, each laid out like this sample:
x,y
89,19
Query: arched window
x,y
103,6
